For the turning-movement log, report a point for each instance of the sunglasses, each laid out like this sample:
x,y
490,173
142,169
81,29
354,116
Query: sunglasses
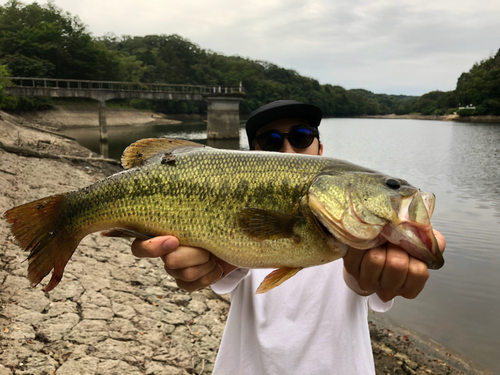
x,y
300,137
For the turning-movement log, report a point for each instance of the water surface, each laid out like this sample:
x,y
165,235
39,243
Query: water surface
x,y
458,162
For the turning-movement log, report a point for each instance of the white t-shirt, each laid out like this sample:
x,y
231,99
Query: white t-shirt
x,y
311,324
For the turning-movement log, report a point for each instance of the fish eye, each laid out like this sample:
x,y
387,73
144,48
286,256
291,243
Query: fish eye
x,y
392,183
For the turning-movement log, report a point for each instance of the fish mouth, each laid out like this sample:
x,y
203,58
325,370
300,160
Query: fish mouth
x,y
413,231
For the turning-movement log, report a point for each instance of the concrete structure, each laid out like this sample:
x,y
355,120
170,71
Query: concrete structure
x,y
223,102
223,117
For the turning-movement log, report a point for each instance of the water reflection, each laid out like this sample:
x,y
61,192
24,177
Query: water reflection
x,y
476,168
120,137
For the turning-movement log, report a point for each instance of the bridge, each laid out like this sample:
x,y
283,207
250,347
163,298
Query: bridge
x,y
223,120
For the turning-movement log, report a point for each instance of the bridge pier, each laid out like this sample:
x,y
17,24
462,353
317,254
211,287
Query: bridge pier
x,y
223,117
103,129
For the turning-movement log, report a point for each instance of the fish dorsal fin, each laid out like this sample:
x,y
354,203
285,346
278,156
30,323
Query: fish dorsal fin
x,y
135,154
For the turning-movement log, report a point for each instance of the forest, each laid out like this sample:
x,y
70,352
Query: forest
x,y
44,41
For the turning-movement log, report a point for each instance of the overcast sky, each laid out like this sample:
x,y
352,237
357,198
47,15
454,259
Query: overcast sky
x,y
396,47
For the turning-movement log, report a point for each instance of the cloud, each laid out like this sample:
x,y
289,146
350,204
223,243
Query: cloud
x,y
403,47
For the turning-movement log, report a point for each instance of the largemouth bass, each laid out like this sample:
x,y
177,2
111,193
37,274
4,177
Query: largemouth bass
x,y
251,209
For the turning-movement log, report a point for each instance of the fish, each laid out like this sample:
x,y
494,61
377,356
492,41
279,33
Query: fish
x,y
251,209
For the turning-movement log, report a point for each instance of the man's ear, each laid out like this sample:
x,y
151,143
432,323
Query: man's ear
x,y
320,151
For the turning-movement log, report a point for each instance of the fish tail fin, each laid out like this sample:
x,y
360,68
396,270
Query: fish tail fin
x,y
39,228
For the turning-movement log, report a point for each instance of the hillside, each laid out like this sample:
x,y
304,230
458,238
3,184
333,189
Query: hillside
x,y
41,40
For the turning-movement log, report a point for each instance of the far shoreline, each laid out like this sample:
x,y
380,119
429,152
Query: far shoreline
x,y
454,118
63,117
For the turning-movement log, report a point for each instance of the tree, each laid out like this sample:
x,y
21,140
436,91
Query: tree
x,y
481,86
3,83
43,41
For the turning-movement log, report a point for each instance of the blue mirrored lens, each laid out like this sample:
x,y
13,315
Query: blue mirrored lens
x,y
301,137
271,141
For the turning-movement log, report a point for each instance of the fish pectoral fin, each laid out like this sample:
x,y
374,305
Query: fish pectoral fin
x,y
275,278
267,225
123,232
137,153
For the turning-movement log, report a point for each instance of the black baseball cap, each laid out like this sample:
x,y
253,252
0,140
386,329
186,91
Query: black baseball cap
x,y
281,109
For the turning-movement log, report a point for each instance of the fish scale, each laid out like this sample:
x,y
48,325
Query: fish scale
x,y
183,200
250,209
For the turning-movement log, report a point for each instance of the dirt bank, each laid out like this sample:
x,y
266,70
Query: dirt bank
x,y
82,116
114,313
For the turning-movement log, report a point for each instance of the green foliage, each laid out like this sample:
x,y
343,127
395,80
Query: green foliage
x,y
481,87
33,103
384,104
4,82
173,59
44,41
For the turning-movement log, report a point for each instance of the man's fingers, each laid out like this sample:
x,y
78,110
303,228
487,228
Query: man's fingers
x,y
184,257
395,273
418,275
192,273
371,269
155,247
202,282
352,261
193,268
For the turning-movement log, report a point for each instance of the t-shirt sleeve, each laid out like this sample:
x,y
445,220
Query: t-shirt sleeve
x,y
228,283
376,304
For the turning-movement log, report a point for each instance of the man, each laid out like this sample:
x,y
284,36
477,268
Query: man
x,y
316,322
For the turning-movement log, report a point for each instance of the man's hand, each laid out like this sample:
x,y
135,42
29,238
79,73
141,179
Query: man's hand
x,y
388,271
191,267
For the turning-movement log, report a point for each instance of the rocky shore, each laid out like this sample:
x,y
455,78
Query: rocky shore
x,y
117,314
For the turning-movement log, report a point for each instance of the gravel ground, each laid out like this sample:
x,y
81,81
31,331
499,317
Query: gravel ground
x,y
113,313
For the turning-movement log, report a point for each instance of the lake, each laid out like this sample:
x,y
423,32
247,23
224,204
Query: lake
x,y
460,164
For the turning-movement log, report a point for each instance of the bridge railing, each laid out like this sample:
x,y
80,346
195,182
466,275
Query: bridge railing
x,y
54,83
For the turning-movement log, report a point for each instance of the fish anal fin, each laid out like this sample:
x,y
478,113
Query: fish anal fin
x,y
275,278
137,153
262,224
124,232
